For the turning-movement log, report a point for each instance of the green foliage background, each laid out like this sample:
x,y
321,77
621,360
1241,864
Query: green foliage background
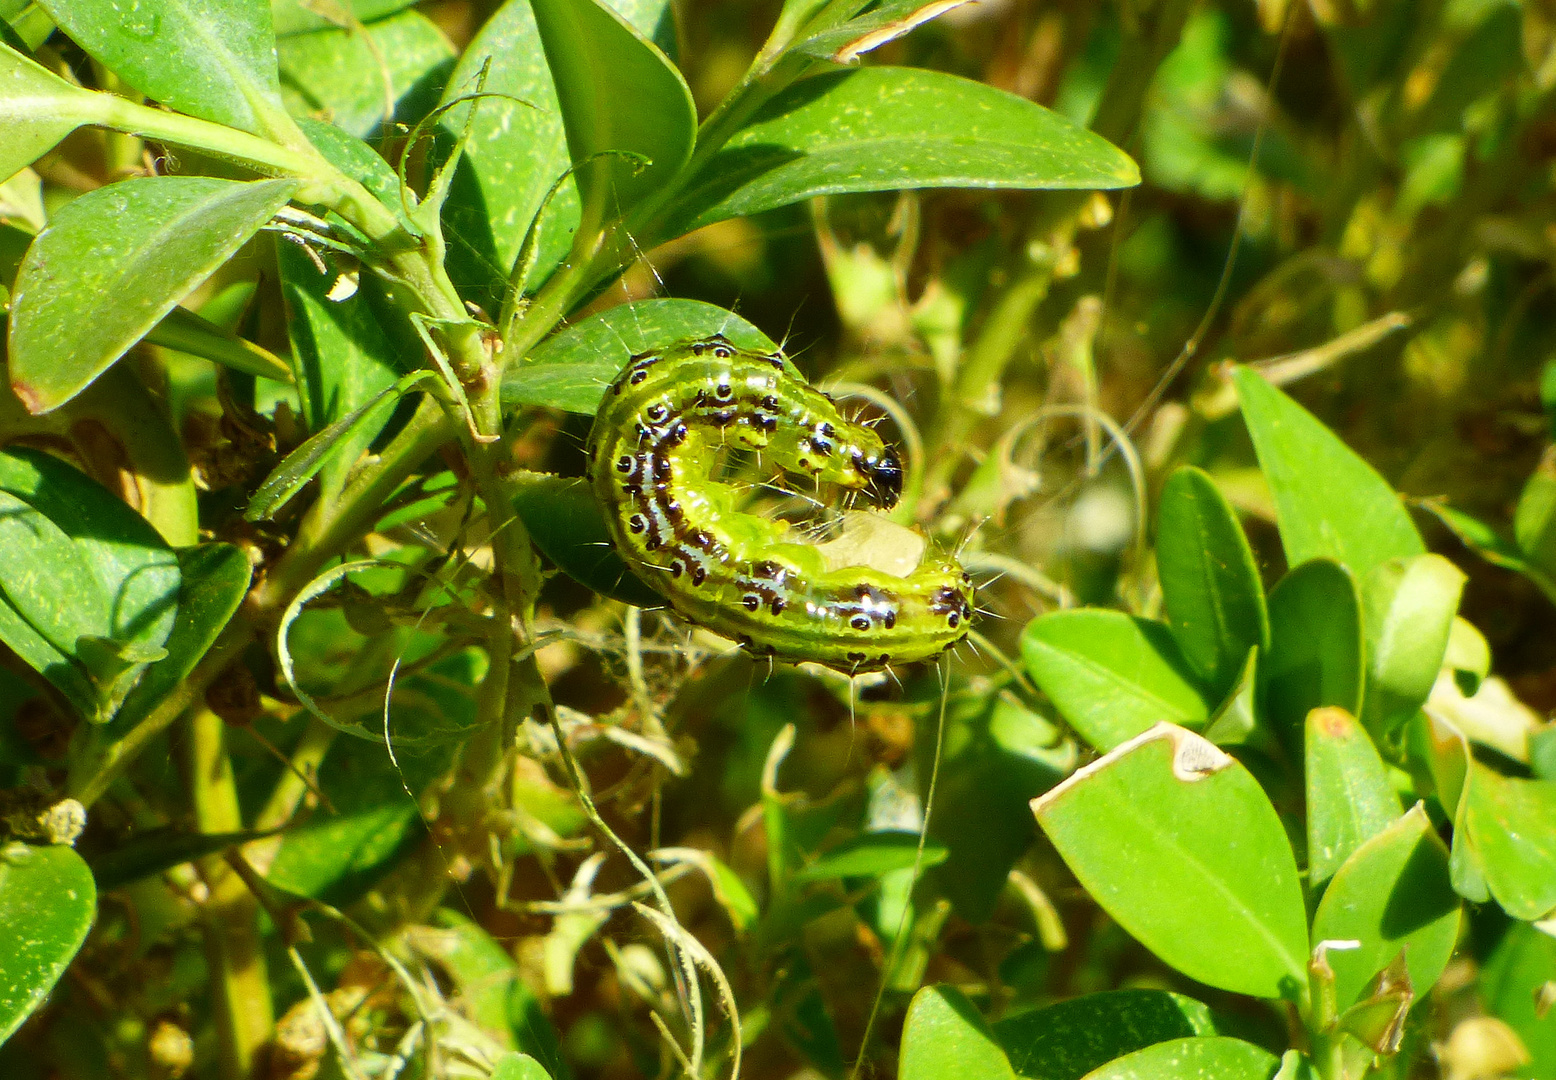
x,y
1352,201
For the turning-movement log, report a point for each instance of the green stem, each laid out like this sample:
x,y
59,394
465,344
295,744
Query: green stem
x,y
234,952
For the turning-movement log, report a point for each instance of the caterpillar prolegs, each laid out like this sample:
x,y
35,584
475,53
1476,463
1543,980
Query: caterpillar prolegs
x,y
651,456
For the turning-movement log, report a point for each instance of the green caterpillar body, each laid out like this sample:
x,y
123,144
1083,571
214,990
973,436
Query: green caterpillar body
x,y
652,451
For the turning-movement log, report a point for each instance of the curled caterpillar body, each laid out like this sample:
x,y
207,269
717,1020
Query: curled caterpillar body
x,y
651,455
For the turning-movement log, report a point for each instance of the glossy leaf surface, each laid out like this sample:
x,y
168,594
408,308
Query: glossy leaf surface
x,y
1393,893
1349,797
1329,502
1210,585
885,128
1217,1058
1408,608
37,110
112,263
571,370
945,1035
214,59
1111,675
1178,842
1507,821
1068,1040
1316,647
47,903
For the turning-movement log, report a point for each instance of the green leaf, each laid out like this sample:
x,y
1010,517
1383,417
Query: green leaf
x,y
27,21
571,370
1393,893
1329,502
1510,980
1349,798
1216,1058
874,854
345,436
517,1066
112,263
1408,609
1111,675
353,75
1177,841
214,580
79,565
945,1035
1210,584
619,95
885,22
190,333
49,892
346,357
1507,826
565,521
305,16
886,128
1068,1040
1534,519
214,59
517,149
1315,646
37,110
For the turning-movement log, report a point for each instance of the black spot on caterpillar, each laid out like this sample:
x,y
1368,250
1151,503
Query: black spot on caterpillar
x,y
652,452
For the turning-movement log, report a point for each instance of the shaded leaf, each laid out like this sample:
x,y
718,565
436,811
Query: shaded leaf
x,y
1316,646
1217,1058
565,521
1393,893
873,854
1068,1040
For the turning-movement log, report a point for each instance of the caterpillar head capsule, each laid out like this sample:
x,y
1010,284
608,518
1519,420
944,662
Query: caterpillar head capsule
x,y
883,478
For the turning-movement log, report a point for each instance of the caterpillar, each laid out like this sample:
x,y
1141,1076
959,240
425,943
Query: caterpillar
x,y
652,452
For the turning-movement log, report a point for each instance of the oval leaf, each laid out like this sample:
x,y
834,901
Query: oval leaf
x,y
112,263
1193,1059
1393,893
1210,584
215,59
571,370
1315,646
37,110
1111,675
887,128
1068,1040
565,521
945,1035
628,114
1408,609
49,891
1178,842
1329,503
1349,798
1507,822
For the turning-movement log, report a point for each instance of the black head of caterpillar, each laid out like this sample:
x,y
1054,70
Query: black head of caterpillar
x,y
653,451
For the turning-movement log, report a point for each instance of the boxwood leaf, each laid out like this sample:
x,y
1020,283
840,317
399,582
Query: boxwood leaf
x,y
1329,502
1349,797
1217,1058
37,110
567,524
214,59
945,1035
571,370
1393,893
1177,841
1068,1040
1507,825
628,114
1408,608
886,128
49,892
112,263
873,854
1111,675
1210,584
1316,646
